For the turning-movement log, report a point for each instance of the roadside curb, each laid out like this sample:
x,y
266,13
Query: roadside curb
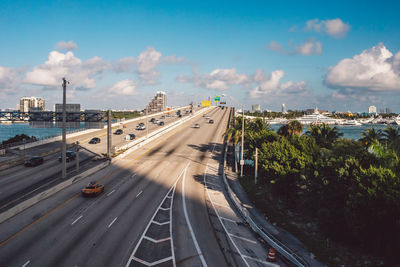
x,y
49,192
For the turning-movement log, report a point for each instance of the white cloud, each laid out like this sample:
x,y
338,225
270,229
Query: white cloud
x,y
271,85
218,79
309,47
10,79
274,46
124,64
333,27
68,46
146,64
375,69
124,87
59,65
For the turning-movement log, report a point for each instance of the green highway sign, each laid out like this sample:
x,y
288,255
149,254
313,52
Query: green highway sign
x,y
217,99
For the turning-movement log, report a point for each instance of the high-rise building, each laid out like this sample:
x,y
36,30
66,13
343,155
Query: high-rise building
x,y
284,111
381,111
28,103
372,109
256,108
158,103
388,111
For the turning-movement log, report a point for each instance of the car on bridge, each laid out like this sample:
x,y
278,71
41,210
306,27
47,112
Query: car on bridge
x,y
34,161
70,155
160,123
211,121
152,119
196,125
130,137
94,140
118,132
93,189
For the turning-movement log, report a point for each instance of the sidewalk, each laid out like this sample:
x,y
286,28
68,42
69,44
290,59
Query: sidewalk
x,y
283,236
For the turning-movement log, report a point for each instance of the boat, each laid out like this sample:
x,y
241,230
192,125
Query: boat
x,y
351,123
397,120
317,119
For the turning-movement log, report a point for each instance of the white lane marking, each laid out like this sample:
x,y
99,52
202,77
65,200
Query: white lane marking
x,y
110,193
229,220
26,263
203,261
76,220
245,239
164,208
132,257
139,193
112,222
261,261
133,175
222,205
209,183
156,240
163,223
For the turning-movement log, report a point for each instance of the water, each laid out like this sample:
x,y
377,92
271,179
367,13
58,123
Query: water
x,y
10,130
350,132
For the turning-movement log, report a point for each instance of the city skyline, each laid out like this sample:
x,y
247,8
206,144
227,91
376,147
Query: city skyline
x,y
118,54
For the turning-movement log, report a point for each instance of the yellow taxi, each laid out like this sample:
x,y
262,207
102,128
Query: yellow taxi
x,y
93,189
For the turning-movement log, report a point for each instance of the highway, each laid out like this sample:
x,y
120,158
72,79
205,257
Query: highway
x,y
163,204
20,181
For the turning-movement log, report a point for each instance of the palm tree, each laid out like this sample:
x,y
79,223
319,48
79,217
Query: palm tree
x,y
324,135
370,135
258,125
392,137
234,133
295,128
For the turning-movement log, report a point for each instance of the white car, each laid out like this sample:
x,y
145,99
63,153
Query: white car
x,y
196,125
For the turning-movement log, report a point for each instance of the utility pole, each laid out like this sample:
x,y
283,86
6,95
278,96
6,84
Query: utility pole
x,y
147,128
242,143
77,155
256,167
64,131
109,134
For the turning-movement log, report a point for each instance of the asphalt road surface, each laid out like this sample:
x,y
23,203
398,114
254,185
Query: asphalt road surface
x,y
163,205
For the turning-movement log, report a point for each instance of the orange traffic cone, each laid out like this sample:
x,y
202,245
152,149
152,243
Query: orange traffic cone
x,y
271,255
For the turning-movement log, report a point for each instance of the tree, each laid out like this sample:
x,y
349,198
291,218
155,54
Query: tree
x,y
291,129
369,136
392,137
234,133
324,135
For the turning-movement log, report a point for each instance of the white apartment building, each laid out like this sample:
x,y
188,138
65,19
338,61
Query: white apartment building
x,y
372,109
28,103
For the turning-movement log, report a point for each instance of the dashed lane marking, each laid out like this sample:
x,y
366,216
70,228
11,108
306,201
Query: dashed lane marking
x,y
26,264
76,220
139,193
112,222
109,194
229,220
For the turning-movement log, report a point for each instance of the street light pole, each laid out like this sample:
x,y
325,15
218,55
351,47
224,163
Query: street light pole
x,y
64,131
242,143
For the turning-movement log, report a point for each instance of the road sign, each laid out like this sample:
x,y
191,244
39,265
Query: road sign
x,y
222,103
217,99
205,103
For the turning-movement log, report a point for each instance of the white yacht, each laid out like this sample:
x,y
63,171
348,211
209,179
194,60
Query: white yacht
x,y
351,123
397,120
316,118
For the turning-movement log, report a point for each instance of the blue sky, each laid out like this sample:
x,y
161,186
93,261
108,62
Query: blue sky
x,y
339,55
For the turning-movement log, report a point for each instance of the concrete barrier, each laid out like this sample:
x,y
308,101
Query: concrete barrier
x,y
49,192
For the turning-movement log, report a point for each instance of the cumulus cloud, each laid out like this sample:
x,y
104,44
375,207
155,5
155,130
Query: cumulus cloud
x,y
68,46
218,79
10,79
333,27
307,48
79,73
124,87
271,85
375,69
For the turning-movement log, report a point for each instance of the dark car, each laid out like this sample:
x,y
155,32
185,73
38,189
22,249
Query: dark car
x,y
94,140
34,161
118,132
130,136
70,156
161,123
141,124
152,119
211,121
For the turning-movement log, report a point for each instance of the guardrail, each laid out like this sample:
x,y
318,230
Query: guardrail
x,y
281,248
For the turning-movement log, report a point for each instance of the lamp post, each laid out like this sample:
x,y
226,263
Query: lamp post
x,y
64,130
